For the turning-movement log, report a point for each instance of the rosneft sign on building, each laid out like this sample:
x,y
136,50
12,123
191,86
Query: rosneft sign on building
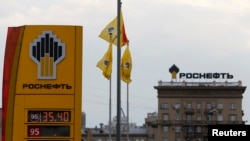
x,y
174,70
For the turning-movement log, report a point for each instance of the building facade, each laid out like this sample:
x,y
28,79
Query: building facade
x,y
129,131
186,108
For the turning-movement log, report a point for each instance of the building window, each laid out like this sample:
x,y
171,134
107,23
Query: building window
x,y
177,139
165,117
164,106
165,139
198,139
219,117
177,106
232,106
198,105
198,117
209,106
189,129
189,105
177,128
178,117
189,117
198,129
165,128
232,118
209,117
219,106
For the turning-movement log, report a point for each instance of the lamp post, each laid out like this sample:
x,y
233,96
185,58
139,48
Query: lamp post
x,y
209,114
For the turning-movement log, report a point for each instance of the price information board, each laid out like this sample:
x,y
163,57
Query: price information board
x,y
49,116
48,131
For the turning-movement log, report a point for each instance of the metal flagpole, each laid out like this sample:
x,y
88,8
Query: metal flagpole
x,y
110,139
118,128
127,112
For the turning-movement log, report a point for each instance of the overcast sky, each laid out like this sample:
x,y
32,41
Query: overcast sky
x,y
196,35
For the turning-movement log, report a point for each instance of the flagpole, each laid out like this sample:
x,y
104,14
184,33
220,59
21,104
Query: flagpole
x,y
110,139
127,112
118,128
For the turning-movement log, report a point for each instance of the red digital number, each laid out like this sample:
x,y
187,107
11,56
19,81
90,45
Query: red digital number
x,y
66,116
48,117
51,116
33,131
55,116
63,116
45,116
60,116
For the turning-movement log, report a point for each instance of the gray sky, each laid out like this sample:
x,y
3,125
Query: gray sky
x,y
196,35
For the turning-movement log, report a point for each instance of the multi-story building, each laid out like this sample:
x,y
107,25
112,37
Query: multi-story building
x,y
129,131
186,108
151,124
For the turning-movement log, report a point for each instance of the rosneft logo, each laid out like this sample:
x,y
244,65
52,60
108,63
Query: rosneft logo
x,y
174,70
47,51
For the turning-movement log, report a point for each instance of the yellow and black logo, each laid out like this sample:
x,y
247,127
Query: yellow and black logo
x,y
47,51
174,70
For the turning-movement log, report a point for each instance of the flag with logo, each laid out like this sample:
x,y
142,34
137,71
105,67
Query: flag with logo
x,y
110,31
126,66
105,64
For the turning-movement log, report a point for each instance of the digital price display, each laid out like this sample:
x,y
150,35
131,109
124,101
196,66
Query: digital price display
x,y
49,116
48,131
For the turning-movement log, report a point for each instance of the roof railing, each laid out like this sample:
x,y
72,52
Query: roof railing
x,y
213,83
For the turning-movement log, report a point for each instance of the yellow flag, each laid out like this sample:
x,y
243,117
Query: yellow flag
x,y
111,31
105,64
126,66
